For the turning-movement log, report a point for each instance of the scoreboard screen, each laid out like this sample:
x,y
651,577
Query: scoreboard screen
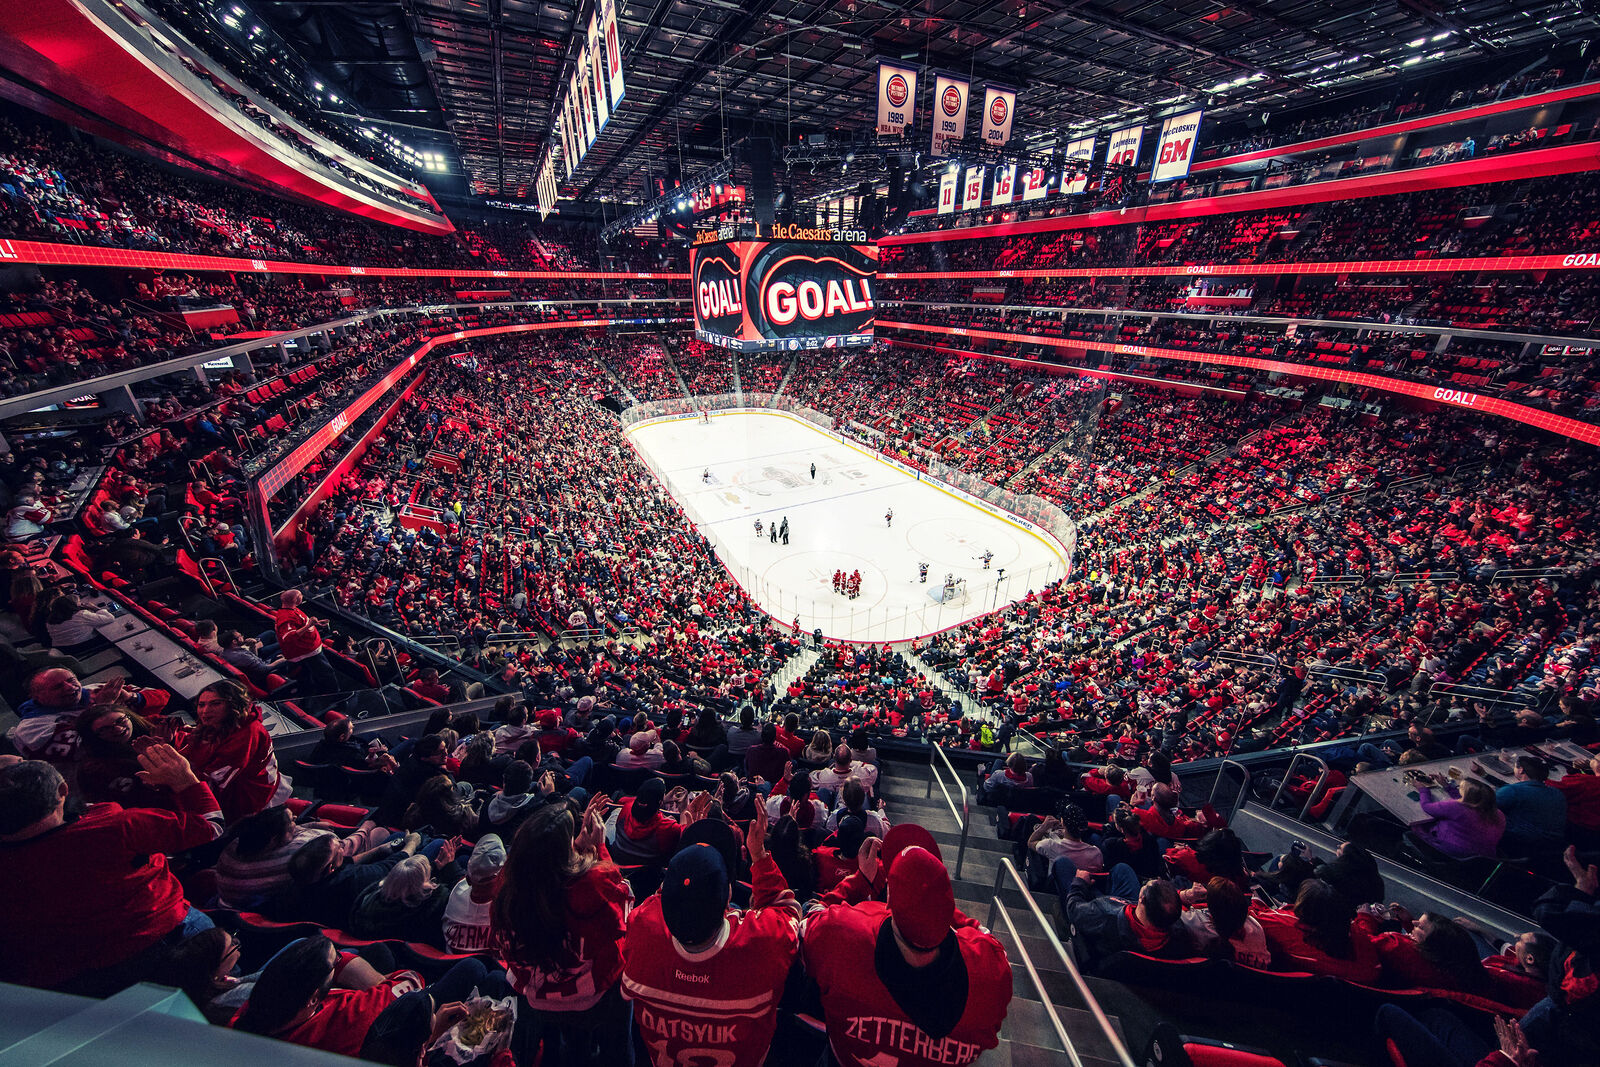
x,y
783,287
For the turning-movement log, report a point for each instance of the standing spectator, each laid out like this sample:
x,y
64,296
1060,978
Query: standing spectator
x,y
558,923
708,976
91,901
232,750
910,981
300,643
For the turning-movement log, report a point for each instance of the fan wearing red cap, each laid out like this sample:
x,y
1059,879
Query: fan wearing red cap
x,y
706,978
910,980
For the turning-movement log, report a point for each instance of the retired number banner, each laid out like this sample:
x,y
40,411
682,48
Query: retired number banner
x,y
1074,181
1124,147
947,192
1175,149
1005,184
972,191
613,46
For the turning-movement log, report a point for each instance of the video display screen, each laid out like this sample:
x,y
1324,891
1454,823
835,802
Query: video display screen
x,y
785,287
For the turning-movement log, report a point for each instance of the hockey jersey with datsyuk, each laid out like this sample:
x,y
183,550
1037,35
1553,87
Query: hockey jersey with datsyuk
x,y
717,1006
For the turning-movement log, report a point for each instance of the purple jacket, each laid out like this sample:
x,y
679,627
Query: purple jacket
x,y
1457,830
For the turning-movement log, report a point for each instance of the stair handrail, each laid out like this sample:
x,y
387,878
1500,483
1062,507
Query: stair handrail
x,y
962,815
1091,1002
1322,779
1244,786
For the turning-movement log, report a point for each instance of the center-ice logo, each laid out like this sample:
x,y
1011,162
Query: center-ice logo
x,y
951,100
896,90
997,111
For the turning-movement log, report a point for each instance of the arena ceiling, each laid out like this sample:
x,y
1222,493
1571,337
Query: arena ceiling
x,y
485,74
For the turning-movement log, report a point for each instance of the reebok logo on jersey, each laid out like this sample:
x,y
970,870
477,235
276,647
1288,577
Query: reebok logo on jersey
x,y
900,1035
682,977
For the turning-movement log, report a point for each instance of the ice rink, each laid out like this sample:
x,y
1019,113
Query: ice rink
x,y
760,467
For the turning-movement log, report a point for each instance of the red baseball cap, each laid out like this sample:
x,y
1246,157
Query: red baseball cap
x,y
922,902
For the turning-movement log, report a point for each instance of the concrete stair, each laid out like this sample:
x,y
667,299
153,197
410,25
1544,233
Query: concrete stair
x,y
1027,1037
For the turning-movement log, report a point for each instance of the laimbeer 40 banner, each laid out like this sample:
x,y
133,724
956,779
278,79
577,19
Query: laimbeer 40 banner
x,y
781,286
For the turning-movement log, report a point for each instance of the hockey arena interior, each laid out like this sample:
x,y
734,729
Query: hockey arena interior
x,y
878,534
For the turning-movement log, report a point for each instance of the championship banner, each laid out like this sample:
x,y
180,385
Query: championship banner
x,y
613,47
1075,182
1034,184
947,192
1005,185
999,106
972,190
949,112
1175,149
597,74
897,98
1124,146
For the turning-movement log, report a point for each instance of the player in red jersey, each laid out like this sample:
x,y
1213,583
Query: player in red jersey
x,y
912,982
706,978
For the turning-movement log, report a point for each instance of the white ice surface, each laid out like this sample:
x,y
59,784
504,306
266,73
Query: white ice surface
x,y
760,466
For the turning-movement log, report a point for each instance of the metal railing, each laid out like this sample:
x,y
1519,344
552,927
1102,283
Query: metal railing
x,y
1481,694
936,756
1316,790
1513,574
1244,785
997,908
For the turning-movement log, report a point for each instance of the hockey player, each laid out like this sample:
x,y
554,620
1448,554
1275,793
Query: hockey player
x,y
911,981
987,557
705,977
705,476
888,518
838,581
855,585
922,572
758,527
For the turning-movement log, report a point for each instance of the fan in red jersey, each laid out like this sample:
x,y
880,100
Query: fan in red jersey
x,y
706,978
913,982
